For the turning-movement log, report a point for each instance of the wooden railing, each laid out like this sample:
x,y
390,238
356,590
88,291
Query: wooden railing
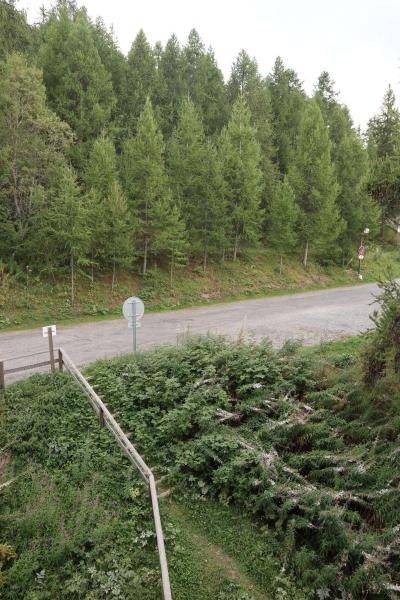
x,y
4,371
107,420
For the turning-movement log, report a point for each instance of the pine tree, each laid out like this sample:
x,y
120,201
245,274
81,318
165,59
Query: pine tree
x,y
282,217
357,208
141,79
326,95
171,240
79,88
61,229
15,33
117,250
171,85
204,83
31,140
384,151
246,80
144,179
196,180
287,102
101,179
240,153
350,161
101,171
312,178
116,65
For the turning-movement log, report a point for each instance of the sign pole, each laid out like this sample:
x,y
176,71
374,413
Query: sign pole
x,y
134,326
51,347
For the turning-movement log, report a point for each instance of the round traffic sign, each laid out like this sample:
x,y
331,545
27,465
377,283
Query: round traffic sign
x,y
133,309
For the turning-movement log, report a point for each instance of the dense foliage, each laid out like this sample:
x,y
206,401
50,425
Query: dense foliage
x,y
299,443
166,162
294,440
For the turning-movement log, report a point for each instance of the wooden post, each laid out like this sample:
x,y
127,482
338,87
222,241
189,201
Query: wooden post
x,y
51,347
2,376
60,360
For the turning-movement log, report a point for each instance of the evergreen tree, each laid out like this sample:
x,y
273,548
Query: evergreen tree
x,y
204,83
144,179
171,84
196,180
79,88
101,180
116,65
141,79
61,228
357,209
384,151
326,95
246,80
282,217
312,178
287,102
117,242
240,154
15,33
384,129
172,240
101,171
31,142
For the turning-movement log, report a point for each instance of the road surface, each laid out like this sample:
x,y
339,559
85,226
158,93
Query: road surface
x,y
310,316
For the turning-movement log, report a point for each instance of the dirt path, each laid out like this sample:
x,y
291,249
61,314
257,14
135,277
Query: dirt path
x,y
311,316
215,557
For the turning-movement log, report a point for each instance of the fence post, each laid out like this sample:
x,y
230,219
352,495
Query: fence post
x,y
60,360
2,376
51,347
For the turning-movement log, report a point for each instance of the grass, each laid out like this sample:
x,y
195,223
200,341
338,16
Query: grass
x,y
77,516
28,303
78,519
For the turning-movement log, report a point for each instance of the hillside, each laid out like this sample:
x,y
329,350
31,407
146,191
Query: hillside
x,y
292,452
27,300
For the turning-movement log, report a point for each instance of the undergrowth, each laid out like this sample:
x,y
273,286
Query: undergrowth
x,y
303,445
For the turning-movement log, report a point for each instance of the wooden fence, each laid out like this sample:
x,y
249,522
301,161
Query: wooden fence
x,y
107,420
4,371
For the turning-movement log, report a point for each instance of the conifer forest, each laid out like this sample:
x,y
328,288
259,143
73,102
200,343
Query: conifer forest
x,y
112,162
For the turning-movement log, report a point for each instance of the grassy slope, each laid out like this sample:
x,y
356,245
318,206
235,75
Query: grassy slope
x,y
23,305
79,520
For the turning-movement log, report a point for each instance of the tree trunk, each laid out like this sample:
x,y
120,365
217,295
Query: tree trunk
x,y
281,265
223,255
113,278
146,249
305,257
72,280
205,259
235,248
171,273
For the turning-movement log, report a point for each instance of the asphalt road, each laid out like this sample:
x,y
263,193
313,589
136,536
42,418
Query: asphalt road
x,y
310,316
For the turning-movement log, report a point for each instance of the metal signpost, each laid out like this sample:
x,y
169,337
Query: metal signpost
x,y
361,252
133,311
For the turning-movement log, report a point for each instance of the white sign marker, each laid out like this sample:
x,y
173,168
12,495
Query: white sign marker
x,y
45,330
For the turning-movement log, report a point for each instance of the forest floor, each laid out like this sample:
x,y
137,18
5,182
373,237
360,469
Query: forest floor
x,y
26,301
